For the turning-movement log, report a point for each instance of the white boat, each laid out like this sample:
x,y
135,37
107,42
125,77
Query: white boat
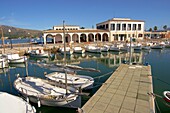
x,y
166,96
145,47
78,49
14,104
15,58
3,62
93,49
104,48
157,46
68,51
78,81
44,92
125,48
137,47
38,53
116,47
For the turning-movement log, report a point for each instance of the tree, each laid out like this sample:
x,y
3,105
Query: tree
x,y
82,28
150,29
165,27
155,28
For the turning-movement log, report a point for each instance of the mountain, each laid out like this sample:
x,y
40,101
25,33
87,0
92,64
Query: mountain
x,y
19,32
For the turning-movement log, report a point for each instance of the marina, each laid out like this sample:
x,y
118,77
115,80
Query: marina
x,y
107,63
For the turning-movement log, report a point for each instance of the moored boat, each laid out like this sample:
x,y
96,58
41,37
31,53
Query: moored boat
x,y
93,49
3,62
78,81
14,104
42,91
78,49
68,50
15,58
38,53
166,96
105,48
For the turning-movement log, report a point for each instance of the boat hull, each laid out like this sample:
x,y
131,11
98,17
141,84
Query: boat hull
x,y
166,98
73,102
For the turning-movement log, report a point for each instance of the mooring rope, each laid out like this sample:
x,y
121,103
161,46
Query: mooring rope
x,y
103,75
161,80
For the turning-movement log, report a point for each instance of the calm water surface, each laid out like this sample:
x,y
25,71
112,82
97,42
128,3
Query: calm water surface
x,y
105,62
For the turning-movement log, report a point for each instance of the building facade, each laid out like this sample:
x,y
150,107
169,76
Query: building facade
x,y
116,29
122,29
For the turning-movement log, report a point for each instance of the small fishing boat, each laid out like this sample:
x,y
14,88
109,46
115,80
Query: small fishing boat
x,y
14,104
78,81
38,53
15,58
166,96
46,92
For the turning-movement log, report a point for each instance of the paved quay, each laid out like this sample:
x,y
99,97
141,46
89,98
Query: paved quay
x,y
125,91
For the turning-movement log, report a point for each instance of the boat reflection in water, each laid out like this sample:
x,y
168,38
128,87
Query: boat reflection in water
x,y
110,59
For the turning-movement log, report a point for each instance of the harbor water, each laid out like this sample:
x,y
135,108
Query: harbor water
x,y
105,62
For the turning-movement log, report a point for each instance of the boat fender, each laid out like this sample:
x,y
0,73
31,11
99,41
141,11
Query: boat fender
x,y
39,103
27,99
34,109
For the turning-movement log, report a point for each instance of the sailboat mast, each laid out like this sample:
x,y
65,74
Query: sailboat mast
x,y
3,40
65,57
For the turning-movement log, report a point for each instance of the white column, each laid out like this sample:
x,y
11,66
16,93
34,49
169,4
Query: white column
x,y
54,38
45,42
79,38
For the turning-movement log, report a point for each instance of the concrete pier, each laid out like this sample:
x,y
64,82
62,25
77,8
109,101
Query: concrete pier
x,y
125,91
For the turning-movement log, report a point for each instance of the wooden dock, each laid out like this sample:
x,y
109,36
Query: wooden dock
x,y
125,91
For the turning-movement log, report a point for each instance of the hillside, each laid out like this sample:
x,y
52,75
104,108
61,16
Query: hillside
x,y
19,32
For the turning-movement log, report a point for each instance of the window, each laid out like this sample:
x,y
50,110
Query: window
x,y
107,26
139,26
134,27
118,27
112,27
129,27
123,27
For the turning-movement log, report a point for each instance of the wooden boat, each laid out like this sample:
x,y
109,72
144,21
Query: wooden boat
x,y
15,58
38,53
166,96
46,92
78,50
14,104
84,82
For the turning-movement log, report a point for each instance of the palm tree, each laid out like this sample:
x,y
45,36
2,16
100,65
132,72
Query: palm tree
x,y
165,27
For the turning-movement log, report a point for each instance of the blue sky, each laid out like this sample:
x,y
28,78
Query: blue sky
x,y
44,14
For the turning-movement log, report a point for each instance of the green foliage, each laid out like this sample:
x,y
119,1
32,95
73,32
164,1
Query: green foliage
x,y
165,27
155,28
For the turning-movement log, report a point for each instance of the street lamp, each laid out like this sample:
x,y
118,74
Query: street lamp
x,y
10,37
